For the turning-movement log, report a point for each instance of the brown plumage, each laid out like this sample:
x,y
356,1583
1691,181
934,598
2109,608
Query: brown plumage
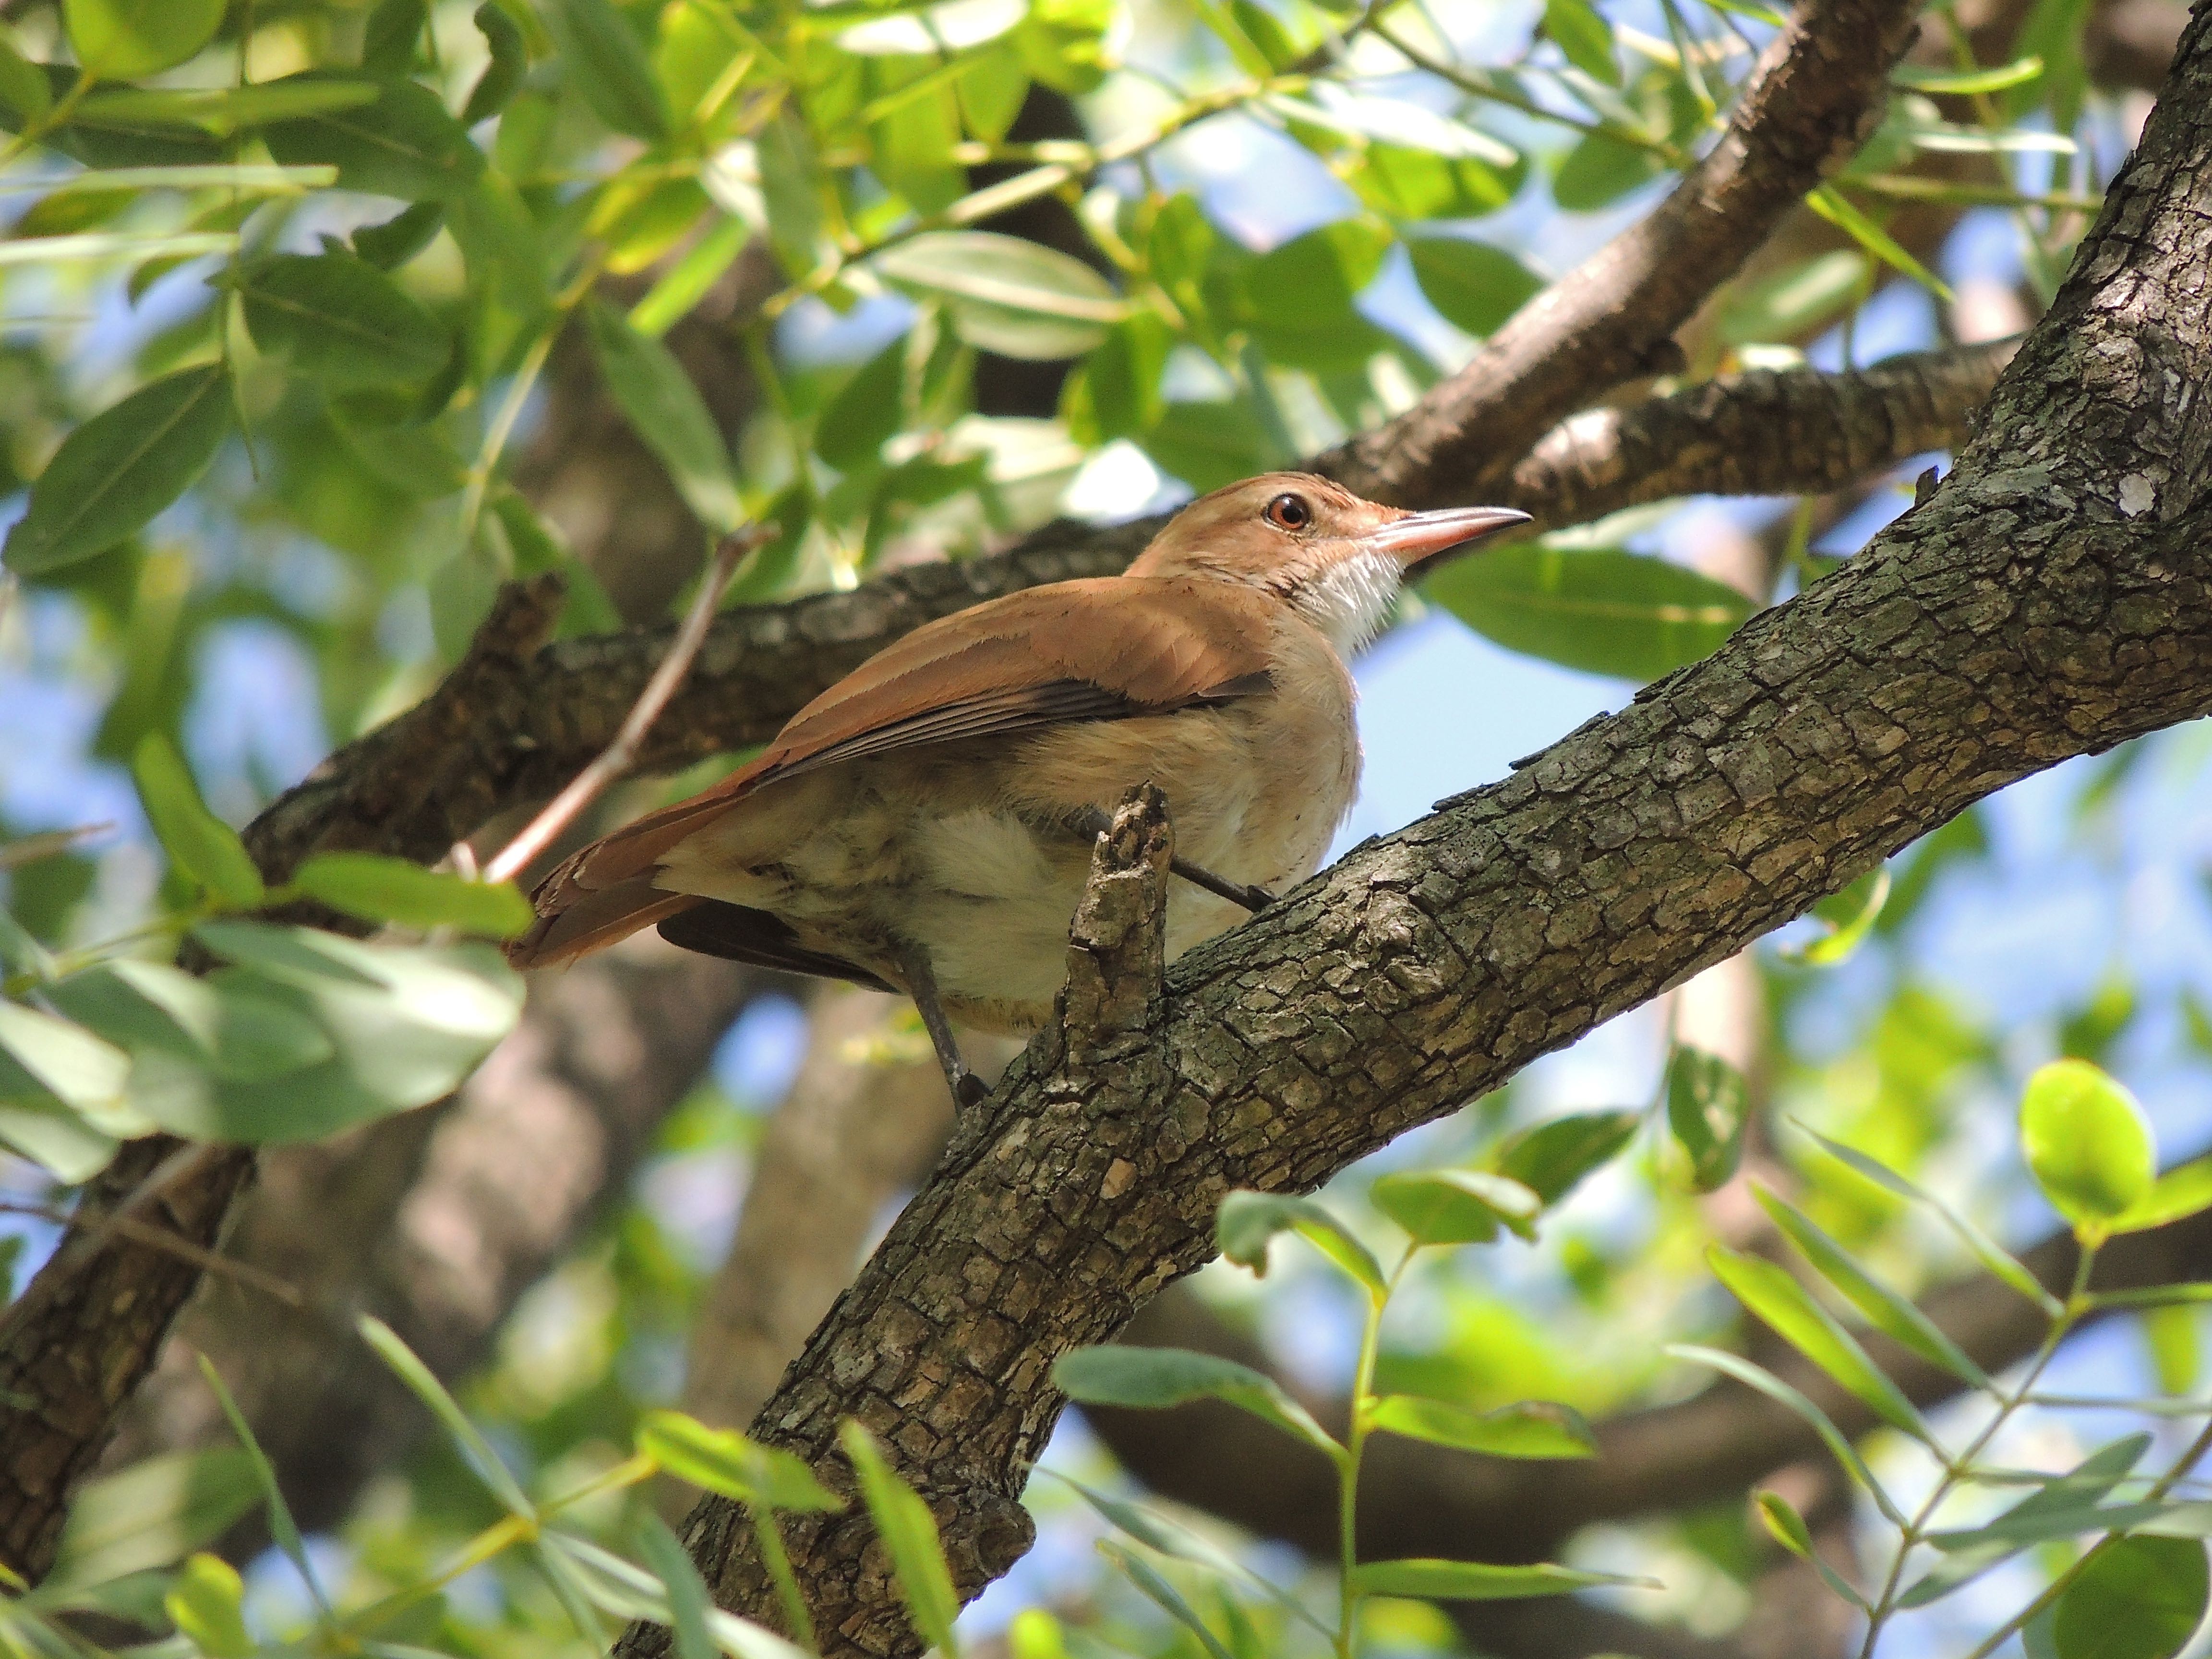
x,y
923,825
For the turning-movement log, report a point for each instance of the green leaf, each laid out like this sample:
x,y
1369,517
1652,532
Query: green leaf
x,y
1600,170
124,39
600,49
2086,1142
1005,294
206,1603
343,323
1707,1106
1884,1308
1298,299
667,411
201,844
1585,37
1473,285
2175,1195
1208,443
23,85
474,1449
390,36
687,1600
400,238
150,1514
1765,1382
503,76
1551,1159
1789,1530
904,1522
1172,1538
1829,204
2082,1487
2138,1598
282,1526
221,111
1247,1222
217,1025
720,1460
1849,916
1601,610
789,173
1455,1207
404,144
1165,1596
1474,1581
63,1057
1770,1292
855,424
1532,1429
39,1127
377,889
1792,302
1149,1378
1999,78
116,472
407,1025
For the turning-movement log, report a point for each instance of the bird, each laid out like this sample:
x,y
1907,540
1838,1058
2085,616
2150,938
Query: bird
x,y
925,825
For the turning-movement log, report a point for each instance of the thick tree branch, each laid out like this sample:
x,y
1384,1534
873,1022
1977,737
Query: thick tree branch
x,y
1816,94
2050,599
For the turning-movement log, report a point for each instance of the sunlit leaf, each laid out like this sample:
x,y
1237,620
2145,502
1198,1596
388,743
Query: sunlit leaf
x,y
1532,1429
688,1599
2175,1195
909,1532
720,1460
611,70
151,1514
1476,1581
1154,1377
2086,1142
1765,1382
206,1603
1831,205
116,472
1004,294
1789,303
1770,1292
1585,37
1998,78
1247,1223
2082,1487
124,40
1789,1529
1165,1596
1848,930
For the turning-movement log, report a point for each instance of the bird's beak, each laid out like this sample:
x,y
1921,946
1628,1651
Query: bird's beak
x,y
1420,539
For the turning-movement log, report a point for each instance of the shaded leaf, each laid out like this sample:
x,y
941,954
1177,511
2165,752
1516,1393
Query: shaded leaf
x,y
687,1600
1707,1106
1551,1159
474,1449
1247,1222
2138,1598
1789,1529
502,74
124,39
343,322
1585,37
116,472
611,70
667,413
1601,609
1473,285
1005,294
1765,1382
1474,1581
202,845
403,145
1153,1377
1455,1207
1165,1596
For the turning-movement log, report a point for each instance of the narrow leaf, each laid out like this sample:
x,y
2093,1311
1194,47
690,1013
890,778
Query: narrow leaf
x,y
204,846
1831,205
725,1462
1155,1378
1884,1308
602,50
378,889
1532,1429
666,411
1757,1377
474,1449
116,472
124,39
343,322
1707,1107
905,1525
687,1600
2175,1195
282,1526
1770,1292
1789,1530
1165,1596
1476,1581
1007,294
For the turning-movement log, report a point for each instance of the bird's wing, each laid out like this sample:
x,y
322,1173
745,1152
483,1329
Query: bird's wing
x,y
1103,649
737,933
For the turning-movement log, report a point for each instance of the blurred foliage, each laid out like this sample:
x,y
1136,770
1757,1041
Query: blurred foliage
x,y
283,292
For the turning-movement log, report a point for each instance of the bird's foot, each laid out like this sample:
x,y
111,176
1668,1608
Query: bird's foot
x,y
968,1091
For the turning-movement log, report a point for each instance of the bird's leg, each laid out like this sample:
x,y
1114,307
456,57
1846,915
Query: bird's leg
x,y
968,1091
1093,822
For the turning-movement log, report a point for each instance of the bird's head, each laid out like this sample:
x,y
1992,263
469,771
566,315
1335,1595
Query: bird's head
x,y
1337,559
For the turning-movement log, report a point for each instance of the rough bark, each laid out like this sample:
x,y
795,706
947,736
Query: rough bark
x,y
2050,599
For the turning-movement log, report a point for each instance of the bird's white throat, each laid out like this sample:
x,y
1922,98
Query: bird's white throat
x,y
1348,601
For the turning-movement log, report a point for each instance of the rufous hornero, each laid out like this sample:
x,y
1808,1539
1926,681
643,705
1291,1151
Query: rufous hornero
x,y
925,824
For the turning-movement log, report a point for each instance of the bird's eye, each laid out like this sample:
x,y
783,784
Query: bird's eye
x,y
1289,513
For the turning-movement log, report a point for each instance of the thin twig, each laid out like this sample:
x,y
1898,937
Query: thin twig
x,y
91,1233
160,1238
47,843
616,758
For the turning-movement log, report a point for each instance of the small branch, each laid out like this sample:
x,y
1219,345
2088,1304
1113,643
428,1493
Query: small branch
x,y
1816,94
616,758
160,1238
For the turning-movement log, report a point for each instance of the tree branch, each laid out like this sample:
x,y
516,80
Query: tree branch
x,y
1815,96
2053,598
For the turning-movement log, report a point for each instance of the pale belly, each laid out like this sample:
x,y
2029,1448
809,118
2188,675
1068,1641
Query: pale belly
x,y
987,874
